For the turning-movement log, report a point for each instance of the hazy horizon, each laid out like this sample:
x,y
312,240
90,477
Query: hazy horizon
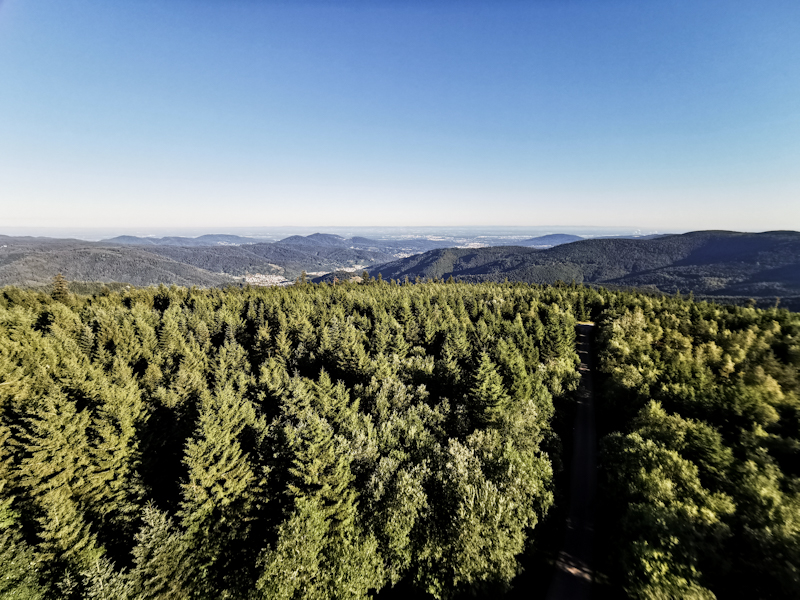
x,y
670,116
377,232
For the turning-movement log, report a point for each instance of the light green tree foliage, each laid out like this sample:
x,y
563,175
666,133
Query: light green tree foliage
x,y
674,524
59,478
162,566
406,433
702,473
771,524
19,566
627,352
694,440
487,495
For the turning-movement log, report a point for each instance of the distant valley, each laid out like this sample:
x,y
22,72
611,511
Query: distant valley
x,y
717,264
209,260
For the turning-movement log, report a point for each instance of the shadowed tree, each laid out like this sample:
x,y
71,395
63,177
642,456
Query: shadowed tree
x,y
60,291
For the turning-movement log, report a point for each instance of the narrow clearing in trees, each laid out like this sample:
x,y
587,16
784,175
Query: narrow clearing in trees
x,y
573,575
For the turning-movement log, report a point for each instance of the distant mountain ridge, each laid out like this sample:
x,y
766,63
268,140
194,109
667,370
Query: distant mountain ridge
x,y
316,239
557,239
208,260
705,262
552,239
710,263
211,260
203,240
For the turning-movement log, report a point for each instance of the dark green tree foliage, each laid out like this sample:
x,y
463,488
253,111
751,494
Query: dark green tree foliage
x,y
700,466
303,442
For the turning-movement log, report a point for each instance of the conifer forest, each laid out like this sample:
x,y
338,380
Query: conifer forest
x,y
345,441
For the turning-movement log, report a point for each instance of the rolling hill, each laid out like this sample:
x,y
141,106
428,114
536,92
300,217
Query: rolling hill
x,y
550,240
211,261
314,243
36,265
709,263
214,239
719,264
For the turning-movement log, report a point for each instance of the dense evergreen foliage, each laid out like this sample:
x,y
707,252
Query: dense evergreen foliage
x,y
701,495
304,442
332,441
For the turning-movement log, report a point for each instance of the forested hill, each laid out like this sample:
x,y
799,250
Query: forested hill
x,y
708,263
704,262
203,240
550,240
31,262
317,242
209,260
35,264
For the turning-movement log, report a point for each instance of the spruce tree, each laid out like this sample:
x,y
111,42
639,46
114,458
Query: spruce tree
x,y
163,568
322,550
223,492
60,291
58,478
487,397
19,565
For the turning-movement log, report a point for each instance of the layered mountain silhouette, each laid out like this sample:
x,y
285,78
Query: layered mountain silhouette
x,y
204,261
214,239
709,263
720,263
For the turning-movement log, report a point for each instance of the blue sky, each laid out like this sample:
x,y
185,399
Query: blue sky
x,y
224,113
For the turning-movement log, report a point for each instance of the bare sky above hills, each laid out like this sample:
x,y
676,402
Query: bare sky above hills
x,y
218,114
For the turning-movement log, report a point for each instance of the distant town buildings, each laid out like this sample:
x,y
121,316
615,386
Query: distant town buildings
x,y
267,280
